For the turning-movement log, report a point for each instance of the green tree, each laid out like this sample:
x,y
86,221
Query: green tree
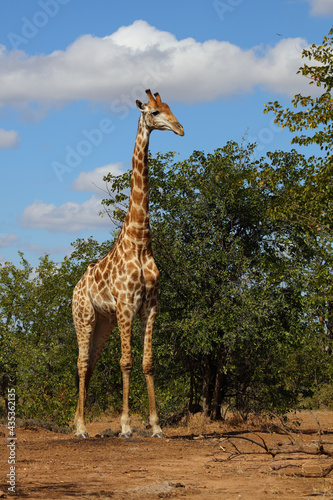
x,y
309,201
15,314
313,113
303,187
36,337
231,280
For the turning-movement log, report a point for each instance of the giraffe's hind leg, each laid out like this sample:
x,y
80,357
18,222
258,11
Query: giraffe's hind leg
x,y
95,332
84,334
103,328
84,322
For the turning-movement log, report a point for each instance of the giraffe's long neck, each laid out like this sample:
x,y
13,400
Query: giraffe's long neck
x,y
136,223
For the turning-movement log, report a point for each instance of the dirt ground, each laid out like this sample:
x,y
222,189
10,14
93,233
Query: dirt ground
x,y
190,462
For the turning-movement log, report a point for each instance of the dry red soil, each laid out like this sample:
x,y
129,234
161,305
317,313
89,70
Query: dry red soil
x,y
190,462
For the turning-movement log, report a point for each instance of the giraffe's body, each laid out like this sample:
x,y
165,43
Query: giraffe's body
x,y
124,282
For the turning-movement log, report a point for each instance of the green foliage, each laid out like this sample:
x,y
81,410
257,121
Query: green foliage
x,y
321,398
304,186
38,348
235,302
314,113
35,336
240,322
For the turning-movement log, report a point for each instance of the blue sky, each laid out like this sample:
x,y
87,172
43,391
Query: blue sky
x,y
70,71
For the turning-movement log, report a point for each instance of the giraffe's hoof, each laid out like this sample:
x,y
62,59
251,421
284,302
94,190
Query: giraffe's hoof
x,y
158,435
126,435
83,435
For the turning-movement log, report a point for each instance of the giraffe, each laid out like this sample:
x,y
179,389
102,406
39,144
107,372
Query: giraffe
x,y
124,282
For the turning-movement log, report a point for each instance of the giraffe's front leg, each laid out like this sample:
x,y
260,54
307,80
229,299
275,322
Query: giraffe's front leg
x,y
148,316
125,320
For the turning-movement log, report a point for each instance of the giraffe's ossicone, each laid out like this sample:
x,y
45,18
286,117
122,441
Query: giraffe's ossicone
x,y
124,283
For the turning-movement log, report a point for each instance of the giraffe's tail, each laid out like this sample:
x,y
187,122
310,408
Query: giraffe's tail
x,y
77,380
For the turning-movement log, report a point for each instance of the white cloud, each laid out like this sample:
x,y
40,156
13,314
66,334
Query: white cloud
x,y
73,216
93,181
118,68
6,240
8,139
321,7
69,217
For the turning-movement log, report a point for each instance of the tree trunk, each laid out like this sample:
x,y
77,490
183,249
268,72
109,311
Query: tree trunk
x,y
217,392
206,387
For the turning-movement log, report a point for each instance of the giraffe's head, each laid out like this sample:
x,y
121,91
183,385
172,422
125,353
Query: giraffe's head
x,y
158,116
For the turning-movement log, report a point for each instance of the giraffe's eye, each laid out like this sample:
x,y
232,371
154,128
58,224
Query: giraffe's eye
x,y
155,113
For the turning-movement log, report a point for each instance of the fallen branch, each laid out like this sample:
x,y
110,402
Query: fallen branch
x,y
296,446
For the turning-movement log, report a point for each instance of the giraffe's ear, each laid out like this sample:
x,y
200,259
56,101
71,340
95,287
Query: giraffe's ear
x,y
139,105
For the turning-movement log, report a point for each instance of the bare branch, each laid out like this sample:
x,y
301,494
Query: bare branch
x,y
296,446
